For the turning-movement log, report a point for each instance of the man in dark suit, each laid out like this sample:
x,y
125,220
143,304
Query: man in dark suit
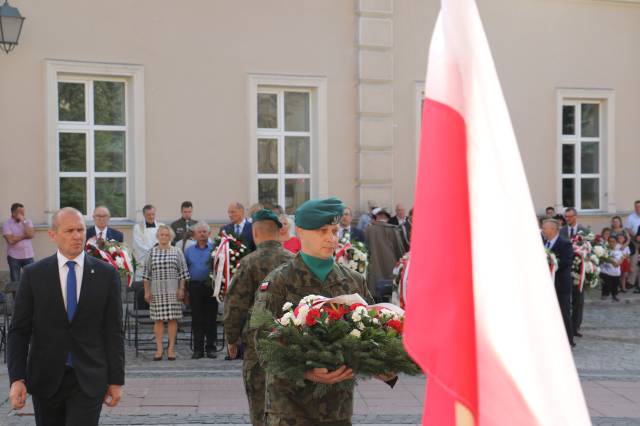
x,y
563,250
570,230
346,228
65,342
400,216
239,226
101,230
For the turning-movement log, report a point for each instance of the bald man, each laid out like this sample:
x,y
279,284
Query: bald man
x,y
239,226
65,343
100,230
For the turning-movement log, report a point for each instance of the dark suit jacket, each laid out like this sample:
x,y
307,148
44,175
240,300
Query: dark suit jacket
x,y
41,336
394,221
564,231
246,236
357,234
112,234
563,250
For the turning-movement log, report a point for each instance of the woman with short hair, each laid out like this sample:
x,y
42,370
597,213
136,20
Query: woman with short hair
x,y
165,276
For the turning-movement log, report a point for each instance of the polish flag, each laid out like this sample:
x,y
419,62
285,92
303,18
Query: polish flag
x,y
482,317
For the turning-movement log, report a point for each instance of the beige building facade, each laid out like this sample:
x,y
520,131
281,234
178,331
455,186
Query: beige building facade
x,y
127,103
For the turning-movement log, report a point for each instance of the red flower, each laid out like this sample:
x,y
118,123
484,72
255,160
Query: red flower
x,y
355,306
396,325
336,314
312,317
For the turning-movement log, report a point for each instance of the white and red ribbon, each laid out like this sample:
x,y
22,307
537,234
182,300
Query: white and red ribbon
x,y
221,269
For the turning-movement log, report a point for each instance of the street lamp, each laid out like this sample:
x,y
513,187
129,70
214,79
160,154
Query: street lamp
x,y
10,26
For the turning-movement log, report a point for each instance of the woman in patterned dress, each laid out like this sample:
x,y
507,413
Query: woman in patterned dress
x,y
165,276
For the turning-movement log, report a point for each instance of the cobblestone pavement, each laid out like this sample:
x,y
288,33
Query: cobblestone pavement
x,y
205,392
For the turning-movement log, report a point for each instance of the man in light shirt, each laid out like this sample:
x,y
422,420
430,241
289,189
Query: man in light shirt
x,y
101,230
18,232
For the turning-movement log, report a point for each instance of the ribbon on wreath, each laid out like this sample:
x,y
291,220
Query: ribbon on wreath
x,y
221,270
582,273
342,250
107,257
402,285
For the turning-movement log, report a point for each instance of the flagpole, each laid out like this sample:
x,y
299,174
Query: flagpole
x,y
463,415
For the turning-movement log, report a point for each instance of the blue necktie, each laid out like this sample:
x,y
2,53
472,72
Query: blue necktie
x,y
238,229
71,296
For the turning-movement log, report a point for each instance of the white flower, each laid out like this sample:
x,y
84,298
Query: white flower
x,y
233,259
356,317
297,322
241,250
360,326
355,333
287,306
599,251
302,313
120,262
361,310
353,265
376,321
286,319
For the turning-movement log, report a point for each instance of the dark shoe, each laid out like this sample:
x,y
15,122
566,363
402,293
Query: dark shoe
x,y
211,355
228,358
615,299
603,297
171,358
197,355
573,344
577,334
158,358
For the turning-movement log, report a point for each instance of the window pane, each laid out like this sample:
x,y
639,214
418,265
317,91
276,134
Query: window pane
x,y
568,192
110,152
568,158
590,157
71,102
73,193
108,98
296,155
268,191
112,192
73,152
267,156
568,120
296,192
590,120
296,112
267,111
590,192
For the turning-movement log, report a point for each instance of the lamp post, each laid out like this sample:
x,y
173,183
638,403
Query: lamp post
x,y
10,26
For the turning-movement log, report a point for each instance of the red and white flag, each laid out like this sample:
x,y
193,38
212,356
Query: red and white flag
x,y
482,319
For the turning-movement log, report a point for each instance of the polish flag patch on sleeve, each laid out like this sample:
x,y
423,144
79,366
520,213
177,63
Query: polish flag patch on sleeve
x,y
264,286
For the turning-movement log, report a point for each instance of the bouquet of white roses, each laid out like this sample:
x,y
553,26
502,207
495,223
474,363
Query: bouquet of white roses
x,y
226,256
352,254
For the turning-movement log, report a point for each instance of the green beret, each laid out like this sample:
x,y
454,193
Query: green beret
x,y
266,214
314,214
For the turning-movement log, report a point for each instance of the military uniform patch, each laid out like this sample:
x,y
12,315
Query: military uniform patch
x,y
264,286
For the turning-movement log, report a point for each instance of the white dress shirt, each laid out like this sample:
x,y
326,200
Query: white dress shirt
x,y
551,243
63,270
101,233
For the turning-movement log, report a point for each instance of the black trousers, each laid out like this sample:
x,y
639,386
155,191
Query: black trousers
x,y
564,300
204,312
577,308
69,406
610,285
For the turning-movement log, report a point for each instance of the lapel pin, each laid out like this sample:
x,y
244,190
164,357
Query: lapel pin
x,y
92,271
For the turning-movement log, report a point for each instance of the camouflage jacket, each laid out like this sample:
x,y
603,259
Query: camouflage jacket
x,y
290,283
239,300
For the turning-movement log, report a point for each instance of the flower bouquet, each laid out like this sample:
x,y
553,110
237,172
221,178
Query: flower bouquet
x,y
400,276
585,269
352,254
329,333
115,253
226,255
552,261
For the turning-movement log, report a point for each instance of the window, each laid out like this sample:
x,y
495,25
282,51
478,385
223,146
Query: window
x,y
92,144
95,137
581,154
284,146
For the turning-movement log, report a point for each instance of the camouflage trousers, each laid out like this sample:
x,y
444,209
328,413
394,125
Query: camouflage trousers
x,y
254,385
277,420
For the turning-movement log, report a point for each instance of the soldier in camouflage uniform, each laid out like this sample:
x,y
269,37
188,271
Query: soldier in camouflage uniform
x,y
313,271
239,300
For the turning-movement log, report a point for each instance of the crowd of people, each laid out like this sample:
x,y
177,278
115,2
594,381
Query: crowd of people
x,y
619,272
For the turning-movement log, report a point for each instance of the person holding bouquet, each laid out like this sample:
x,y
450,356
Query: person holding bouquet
x,y
312,272
165,275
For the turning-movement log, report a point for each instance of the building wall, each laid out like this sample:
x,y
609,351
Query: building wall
x,y
197,58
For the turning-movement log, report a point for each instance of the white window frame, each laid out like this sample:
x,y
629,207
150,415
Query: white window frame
x,y
317,88
86,72
418,103
606,140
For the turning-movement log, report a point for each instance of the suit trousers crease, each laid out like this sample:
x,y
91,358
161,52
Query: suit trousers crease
x,y
69,406
204,312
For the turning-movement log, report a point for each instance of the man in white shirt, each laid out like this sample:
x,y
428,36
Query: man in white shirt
x,y
101,230
144,237
632,225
